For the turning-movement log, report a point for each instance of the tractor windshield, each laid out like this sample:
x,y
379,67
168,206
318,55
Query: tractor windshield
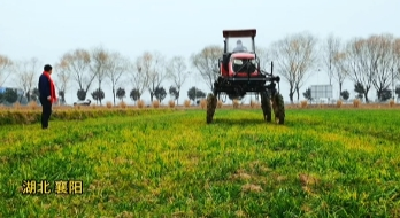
x,y
242,44
245,66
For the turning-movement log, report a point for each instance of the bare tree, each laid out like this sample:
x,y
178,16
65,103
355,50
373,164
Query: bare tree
x,y
156,72
396,57
25,75
307,56
331,49
99,65
340,68
141,71
295,57
77,63
206,63
360,65
381,61
63,76
176,71
285,62
5,68
116,67
263,54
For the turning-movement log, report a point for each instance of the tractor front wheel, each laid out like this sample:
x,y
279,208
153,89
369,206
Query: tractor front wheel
x,y
211,105
266,106
279,109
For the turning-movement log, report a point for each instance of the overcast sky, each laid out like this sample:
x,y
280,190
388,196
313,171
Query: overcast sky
x,y
47,29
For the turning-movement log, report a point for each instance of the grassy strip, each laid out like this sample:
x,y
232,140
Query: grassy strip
x,y
33,116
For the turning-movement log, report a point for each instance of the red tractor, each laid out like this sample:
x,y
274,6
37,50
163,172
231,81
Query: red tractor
x,y
240,74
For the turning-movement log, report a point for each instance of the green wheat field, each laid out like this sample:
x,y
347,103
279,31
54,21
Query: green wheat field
x,y
321,163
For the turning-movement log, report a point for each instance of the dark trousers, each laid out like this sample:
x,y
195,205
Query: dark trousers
x,y
47,111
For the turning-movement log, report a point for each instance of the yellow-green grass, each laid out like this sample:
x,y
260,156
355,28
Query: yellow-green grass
x,y
322,163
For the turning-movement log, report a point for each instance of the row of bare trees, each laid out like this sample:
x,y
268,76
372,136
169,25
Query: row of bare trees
x,y
24,73
146,73
91,68
369,62
372,61
86,67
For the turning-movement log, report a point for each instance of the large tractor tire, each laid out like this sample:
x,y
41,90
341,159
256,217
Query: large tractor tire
x,y
266,106
279,109
211,106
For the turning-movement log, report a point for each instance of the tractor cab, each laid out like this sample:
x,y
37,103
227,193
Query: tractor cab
x,y
239,45
239,58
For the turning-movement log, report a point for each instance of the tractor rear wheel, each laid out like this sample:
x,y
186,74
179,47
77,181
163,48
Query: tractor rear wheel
x,y
266,106
279,109
211,105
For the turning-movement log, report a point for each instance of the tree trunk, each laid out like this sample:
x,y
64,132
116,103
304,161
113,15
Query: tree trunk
x,y
177,95
63,96
366,95
84,90
379,92
291,95
152,93
114,95
99,96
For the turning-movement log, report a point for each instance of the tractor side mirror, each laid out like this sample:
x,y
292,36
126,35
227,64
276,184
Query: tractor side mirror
x,y
219,64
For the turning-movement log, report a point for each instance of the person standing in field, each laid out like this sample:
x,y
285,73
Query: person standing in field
x,y
47,94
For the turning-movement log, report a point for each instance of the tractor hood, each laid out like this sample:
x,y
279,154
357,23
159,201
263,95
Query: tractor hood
x,y
242,56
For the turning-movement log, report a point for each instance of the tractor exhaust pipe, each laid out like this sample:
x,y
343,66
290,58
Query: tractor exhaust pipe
x,y
224,46
272,67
